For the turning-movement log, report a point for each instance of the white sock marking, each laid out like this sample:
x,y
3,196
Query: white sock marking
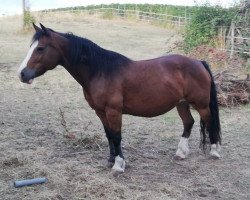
x,y
218,147
183,149
215,149
25,61
119,165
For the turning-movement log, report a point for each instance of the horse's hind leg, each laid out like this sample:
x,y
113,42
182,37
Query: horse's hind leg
x,y
183,109
207,126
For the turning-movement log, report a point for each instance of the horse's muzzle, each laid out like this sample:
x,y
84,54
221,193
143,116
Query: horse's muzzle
x,y
27,75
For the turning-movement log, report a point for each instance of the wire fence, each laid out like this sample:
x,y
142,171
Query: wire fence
x,y
179,21
232,42
229,38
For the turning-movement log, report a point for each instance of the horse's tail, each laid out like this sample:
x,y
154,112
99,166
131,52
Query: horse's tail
x,y
214,130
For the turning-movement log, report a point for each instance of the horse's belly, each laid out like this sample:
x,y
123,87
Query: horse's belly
x,y
152,94
149,109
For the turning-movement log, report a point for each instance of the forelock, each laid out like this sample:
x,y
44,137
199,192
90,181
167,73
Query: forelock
x,y
37,36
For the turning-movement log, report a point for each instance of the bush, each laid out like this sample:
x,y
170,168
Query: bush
x,y
28,19
108,14
204,24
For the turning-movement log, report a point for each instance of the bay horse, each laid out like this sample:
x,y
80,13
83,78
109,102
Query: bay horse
x,y
114,85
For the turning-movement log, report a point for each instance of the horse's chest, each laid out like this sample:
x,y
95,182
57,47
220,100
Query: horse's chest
x,y
95,100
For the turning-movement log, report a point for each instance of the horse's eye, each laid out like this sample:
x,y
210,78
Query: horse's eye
x,y
40,49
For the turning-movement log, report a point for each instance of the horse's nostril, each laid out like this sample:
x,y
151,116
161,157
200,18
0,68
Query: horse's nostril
x,y
22,75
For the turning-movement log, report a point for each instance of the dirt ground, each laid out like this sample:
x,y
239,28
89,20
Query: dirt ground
x,y
33,142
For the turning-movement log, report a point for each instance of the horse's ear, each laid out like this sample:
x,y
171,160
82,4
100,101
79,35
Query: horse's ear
x,y
36,27
45,30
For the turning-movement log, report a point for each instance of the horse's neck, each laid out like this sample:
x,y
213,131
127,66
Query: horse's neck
x,y
80,74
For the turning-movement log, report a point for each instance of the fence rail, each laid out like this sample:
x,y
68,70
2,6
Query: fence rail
x,y
228,42
179,21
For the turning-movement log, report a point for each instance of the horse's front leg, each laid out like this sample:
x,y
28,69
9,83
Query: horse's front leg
x,y
103,118
114,118
111,120
111,160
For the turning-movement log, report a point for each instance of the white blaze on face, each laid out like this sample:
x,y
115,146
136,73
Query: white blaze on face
x,y
25,61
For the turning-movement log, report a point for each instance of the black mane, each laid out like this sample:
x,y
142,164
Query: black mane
x,y
84,52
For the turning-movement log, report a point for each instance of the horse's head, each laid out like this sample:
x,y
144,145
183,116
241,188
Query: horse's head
x,y
43,55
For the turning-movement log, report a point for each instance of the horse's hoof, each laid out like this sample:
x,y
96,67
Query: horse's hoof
x,y
119,165
215,154
177,157
116,173
180,155
183,149
214,151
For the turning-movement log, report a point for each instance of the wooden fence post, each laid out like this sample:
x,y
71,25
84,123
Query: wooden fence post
x,y
185,15
232,40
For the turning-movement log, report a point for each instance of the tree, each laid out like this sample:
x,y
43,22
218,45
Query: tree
x,y
28,19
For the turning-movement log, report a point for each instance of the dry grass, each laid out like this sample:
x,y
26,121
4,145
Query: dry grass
x,y
33,143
